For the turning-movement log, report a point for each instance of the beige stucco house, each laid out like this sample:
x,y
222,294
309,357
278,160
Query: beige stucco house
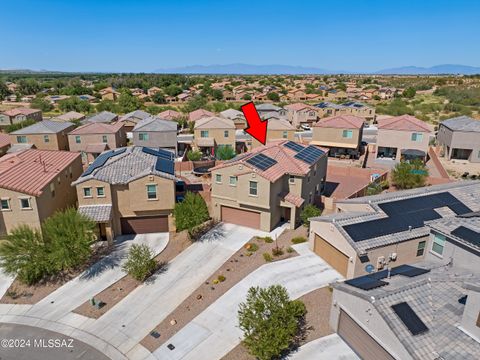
x,y
268,185
459,139
14,116
128,191
212,132
44,135
277,129
300,114
34,184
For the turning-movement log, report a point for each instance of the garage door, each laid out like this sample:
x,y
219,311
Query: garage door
x,y
334,257
144,225
241,217
359,340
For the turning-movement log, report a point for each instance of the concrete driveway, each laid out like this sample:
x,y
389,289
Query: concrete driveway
x,y
95,279
214,332
326,348
127,323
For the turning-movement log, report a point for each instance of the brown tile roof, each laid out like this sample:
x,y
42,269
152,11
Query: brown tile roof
x,y
299,106
341,122
294,199
31,170
20,111
199,114
403,123
170,115
286,162
97,128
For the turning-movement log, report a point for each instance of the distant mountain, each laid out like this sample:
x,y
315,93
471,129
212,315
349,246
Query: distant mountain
x,y
438,69
246,69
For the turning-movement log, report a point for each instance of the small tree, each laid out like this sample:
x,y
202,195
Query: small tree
x,y
308,212
159,98
409,92
225,153
140,263
270,321
409,175
194,155
273,96
191,212
41,104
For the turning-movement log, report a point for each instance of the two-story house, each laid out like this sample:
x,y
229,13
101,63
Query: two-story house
x,y
44,135
459,138
277,129
342,134
265,110
237,117
34,184
14,116
92,139
128,191
268,185
213,132
402,137
132,118
156,133
198,114
301,114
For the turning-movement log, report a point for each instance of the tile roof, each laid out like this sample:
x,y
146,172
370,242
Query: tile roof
x,y
231,114
4,140
280,124
434,298
154,123
29,171
199,114
20,111
403,123
299,106
286,163
19,147
71,115
96,128
102,117
135,115
294,199
462,123
214,122
268,107
446,225
44,127
327,104
125,167
170,115
341,122
96,148
98,213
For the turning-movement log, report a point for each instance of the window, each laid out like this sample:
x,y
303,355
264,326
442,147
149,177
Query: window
x,y
348,134
438,244
218,178
25,203
101,191
204,133
421,248
5,204
87,192
77,139
52,189
225,133
104,139
21,139
143,136
253,188
46,138
417,137
151,192
233,180
285,134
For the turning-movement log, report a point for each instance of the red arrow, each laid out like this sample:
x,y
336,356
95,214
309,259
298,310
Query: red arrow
x,y
256,126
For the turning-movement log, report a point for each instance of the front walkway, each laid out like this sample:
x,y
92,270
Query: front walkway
x,y
214,332
326,348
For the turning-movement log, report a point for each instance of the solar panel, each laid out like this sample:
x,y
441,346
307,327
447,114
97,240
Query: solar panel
x,y
467,234
261,161
102,159
411,320
408,270
366,283
293,146
166,166
149,151
310,154
405,213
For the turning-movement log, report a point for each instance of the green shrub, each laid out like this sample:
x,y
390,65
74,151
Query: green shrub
x,y
298,240
225,153
194,155
251,247
267,239
19,125
140,263
308,212
290,250
267,257
277,251
409,175
191,212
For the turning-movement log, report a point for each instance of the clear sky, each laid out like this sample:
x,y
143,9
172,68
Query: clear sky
x,y
145,35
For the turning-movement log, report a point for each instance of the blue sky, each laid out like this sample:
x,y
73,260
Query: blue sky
x,y
145,35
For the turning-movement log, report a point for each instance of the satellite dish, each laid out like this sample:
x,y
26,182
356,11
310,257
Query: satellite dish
x,y
369,268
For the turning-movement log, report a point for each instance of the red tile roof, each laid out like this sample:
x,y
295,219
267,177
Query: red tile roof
x,y
199,114
20,111
97,128
341,122
286,162
30,171
169,115
403,123
299,106
294,199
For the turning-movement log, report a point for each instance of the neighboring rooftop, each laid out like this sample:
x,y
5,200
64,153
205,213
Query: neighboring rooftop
x,y
199,114
102,117
214,122
44,127
96,128
170,115
403,123
69,116
464,229
135,115
341,122
29,171
280,124
231,114
4,140
268,107
20,111
154,123
462,123
299,107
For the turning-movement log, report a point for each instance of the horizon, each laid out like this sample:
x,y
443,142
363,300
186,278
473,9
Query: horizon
x,y
147,36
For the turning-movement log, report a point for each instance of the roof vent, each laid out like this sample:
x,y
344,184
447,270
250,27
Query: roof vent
x,y
409,227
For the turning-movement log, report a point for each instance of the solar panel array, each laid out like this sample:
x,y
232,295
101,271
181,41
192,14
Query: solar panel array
x,y
164,154
293,146
467,234
366,282
408,270
404,213
261,161
309,155
102,159
411,320
165,160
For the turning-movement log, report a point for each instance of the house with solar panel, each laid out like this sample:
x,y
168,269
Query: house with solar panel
x,y
43,135
459,139
268,185
374,232
427,310
213,132
128,191
92,139
156,133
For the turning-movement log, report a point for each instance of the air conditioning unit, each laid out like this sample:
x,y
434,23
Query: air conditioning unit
x,y
393,256
380,262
